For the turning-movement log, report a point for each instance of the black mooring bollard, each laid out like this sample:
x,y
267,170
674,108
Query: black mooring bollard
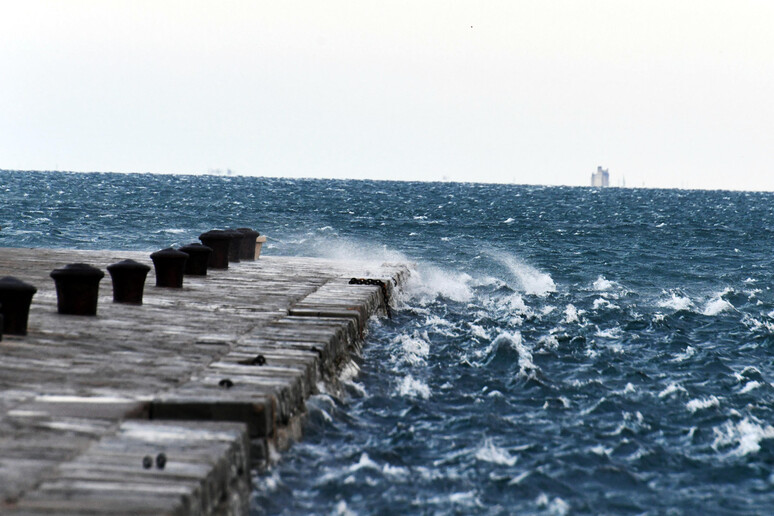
x,y
128,277
247,251
15,298
235,245
198,259
77,288
219,241
169,264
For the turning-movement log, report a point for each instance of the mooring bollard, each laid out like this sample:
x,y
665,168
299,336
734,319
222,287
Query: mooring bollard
x,y
169,264
198,258
235,245
219,241
128,277
77,288
247,250
15,298
258,244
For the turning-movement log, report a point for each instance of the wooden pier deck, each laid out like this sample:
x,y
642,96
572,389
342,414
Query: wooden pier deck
x,y
164,408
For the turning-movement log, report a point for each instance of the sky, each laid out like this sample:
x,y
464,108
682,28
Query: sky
x,y
676,93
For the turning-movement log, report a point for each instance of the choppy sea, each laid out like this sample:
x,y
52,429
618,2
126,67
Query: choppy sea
x,y
557,351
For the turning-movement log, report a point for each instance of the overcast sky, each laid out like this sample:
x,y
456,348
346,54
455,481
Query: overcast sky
x,y
663,93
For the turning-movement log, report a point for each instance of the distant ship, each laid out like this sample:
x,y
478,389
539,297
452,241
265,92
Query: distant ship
x,y
601,177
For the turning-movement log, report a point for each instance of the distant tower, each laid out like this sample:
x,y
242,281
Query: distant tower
x,y
601,177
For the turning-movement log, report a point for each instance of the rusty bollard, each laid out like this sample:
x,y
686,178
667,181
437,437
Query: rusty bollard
x,y
15,298
198,258
235,245
247,251
169,264
219,241
77,288
128,278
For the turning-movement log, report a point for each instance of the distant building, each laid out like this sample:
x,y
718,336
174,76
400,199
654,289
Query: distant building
x,y
601,177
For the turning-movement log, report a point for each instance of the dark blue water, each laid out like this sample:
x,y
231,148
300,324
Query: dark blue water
x,y
558,350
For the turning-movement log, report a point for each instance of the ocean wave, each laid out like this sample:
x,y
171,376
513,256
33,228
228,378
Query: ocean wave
x,y
572,314
677,301
411,388
427,283
489,452
670,389
716,306
746,435
530,280
702,404
601,284
414,348
555,506
507,346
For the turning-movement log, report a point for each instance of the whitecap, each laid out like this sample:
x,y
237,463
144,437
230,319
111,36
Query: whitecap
x,y
489,452
601,284
519,478
702,403
467,499
478,331
571,314
343,510
412,388
515,303
440,325
746,434
611,333
670,389
549,341
395,471
604,303
756,325
685,355
526,365
750,386
716,306
676,302
508,220
415,347
365,462
557,506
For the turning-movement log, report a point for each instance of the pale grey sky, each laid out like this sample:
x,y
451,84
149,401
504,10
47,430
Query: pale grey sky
x,y
664,93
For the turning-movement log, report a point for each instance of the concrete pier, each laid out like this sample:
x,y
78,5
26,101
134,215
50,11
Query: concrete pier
x,y
164,407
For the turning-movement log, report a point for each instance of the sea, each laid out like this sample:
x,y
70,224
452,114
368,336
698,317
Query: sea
x,y
557,350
